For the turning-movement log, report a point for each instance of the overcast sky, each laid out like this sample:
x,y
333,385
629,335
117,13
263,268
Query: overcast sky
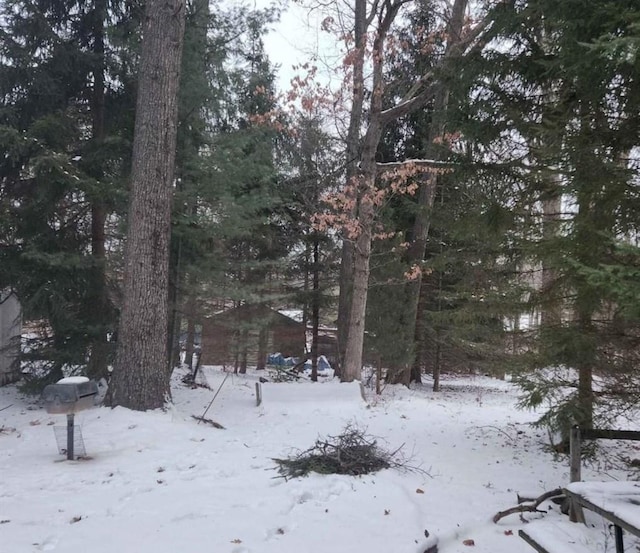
x,y
295,40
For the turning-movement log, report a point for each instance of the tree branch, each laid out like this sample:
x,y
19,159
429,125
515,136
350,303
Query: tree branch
x,y
424,89
391,165
529,507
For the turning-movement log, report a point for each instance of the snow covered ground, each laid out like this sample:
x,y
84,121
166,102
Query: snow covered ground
x,y
160,482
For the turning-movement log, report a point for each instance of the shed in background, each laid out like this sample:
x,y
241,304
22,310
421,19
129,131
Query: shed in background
x,y
243,336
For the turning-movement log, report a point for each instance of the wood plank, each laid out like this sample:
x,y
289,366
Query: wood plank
x,y
599,434
605,513
549,537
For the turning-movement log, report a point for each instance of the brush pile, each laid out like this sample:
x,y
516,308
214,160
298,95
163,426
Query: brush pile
x,y
352,452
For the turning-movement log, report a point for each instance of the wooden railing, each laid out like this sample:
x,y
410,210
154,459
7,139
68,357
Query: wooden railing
x,y
579,434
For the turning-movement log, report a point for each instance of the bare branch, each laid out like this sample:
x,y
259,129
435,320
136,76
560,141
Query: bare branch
x,y
410,104
529,507
424,88
392,165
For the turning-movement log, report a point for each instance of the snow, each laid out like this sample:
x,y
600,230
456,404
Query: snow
x,y
564,536
73,380
161,482
622,499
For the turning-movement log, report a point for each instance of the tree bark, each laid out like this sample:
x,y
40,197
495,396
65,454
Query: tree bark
x,y
423,90
315,308
551,312
191,331
99,299
362,254
352,158
366,206
427,193
140,379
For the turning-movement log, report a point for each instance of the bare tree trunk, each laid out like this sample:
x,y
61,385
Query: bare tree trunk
x,y
551,312
140,379
191,332
426,196
419,338
315,308
366,171
366,205
244,340
263,339
100,304
352,158
175,320
355,343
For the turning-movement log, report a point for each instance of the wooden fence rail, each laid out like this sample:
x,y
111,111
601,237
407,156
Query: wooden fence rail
x,y
575,444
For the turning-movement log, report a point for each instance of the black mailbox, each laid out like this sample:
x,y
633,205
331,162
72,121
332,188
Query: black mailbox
x,y
70,395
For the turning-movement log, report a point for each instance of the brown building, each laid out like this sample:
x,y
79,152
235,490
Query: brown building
x,y
245,335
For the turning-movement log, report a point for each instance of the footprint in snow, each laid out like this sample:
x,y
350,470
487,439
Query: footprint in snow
x,y
49,544
274,533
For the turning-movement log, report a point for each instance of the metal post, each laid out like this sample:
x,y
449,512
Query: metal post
x,y
619,544
70,417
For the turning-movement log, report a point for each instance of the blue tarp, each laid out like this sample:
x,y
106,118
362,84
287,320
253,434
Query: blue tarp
x,y
323,364
279,360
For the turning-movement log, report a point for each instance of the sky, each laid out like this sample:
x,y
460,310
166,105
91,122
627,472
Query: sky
x,y
161,482
297,39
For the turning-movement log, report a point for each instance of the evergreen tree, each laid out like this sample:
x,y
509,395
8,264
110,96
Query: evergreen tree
x,y
61,173
228,240
560,106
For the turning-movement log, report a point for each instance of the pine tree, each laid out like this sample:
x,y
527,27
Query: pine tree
x,y
62,173
561,107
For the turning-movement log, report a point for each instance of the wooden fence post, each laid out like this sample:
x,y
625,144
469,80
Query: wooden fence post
x,y
575,469
575,447
258,393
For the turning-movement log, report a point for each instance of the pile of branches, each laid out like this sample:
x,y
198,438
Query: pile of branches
x,y
352,452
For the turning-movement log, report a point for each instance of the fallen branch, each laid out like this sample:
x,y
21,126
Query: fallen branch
x,y
529,507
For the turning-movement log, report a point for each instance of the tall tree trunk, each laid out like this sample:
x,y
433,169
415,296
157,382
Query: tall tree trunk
x,y
175,320
426,196
140,379
419,338
551,311
365,181
315,308
352,158
362,254
263,344
244,357
99,298
191,331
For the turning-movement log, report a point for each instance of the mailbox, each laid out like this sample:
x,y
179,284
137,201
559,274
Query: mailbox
x,y
67,397
70,395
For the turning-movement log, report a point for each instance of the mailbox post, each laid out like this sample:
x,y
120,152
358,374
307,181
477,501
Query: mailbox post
x,y
67,397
